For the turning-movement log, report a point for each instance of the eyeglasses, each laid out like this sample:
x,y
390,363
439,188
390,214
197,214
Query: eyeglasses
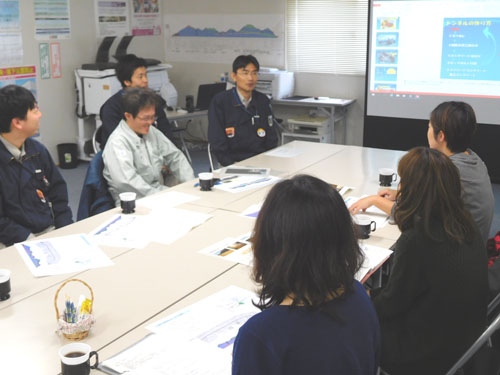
x,y
247,73
150,119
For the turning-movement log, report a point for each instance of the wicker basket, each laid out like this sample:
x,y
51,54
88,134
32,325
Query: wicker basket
x,y
79,330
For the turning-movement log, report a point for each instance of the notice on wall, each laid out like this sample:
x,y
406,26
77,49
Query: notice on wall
x,y
52,20
24,76
11,45
146,19
43,51
9,15
112,17
11,42
55,60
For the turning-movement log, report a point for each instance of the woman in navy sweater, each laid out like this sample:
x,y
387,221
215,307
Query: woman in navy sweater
x,y
315,319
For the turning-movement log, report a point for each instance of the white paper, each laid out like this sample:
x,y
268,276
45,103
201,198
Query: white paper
x,y
11,45
374,257
169,224
59,255
164,225
375,214
214,320
238,250
169,199
52,19
284,152
112,18
159,355
244,183
123,231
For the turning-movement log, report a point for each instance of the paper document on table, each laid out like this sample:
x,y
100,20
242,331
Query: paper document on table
x,y
252,211
170,224
215,320
237,250
59,255
377,215
374,258
159,354
342,190
284,152
167,199
243,183
123,231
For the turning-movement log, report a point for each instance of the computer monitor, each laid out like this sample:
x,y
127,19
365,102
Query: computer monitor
x,y
205,94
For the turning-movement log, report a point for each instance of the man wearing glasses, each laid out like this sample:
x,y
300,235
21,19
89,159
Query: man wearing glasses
x,y
131,72
240,120
137,153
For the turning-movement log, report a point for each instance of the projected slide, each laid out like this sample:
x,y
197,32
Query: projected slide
x,y
470,49
424,52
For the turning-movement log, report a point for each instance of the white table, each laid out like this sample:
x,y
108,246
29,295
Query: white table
x,y
146,284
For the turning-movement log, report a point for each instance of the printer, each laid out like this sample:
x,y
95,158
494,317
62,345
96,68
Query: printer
x,y
94,87
277,84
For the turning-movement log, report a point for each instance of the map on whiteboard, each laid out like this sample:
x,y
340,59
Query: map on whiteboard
x,y
219,39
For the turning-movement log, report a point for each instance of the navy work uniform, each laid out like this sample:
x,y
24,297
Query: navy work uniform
x,y
235,132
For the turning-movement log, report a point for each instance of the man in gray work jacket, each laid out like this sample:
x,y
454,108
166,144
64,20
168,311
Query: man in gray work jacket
x,y
137,154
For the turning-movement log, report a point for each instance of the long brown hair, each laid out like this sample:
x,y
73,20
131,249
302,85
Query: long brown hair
x,y
430,194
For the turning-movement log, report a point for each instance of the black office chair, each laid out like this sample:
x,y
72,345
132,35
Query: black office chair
x,y
214,164
95,197
96,139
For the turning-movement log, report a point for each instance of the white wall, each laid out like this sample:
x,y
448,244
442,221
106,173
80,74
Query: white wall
x,y
187,76
57,97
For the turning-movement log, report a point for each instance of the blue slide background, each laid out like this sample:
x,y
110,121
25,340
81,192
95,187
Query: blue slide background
x,y
477,53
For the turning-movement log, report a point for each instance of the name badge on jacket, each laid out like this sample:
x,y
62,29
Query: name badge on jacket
x,y
230,132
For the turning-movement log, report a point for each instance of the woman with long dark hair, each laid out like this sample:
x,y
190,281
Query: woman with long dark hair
x,y
434,304
315,319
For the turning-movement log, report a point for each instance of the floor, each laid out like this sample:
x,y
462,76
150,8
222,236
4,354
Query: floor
x,y
75,177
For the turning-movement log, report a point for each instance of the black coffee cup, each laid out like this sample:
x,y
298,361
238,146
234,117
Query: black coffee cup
x,y
386,176
127,202
206,181
75,359
4,284
365,226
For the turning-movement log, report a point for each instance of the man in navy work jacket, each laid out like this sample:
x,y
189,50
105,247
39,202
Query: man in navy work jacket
x,y
33,194
131,72
240,120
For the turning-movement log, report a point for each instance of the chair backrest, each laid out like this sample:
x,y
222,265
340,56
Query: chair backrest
x,y
214,164
95,197
494,325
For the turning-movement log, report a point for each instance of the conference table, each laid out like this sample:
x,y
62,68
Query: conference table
x,y
146,284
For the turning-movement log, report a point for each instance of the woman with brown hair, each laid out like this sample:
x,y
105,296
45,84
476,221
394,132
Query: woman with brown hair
x,y
316,318
434,304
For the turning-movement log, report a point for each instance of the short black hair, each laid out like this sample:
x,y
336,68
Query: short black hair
x,y
15,102
127,66
243,60
304,244
135,99
457,121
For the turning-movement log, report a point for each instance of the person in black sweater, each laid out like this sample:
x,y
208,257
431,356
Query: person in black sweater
x,y
434,304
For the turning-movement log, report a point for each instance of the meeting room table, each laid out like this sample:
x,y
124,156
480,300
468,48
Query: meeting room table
x,y
146,284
